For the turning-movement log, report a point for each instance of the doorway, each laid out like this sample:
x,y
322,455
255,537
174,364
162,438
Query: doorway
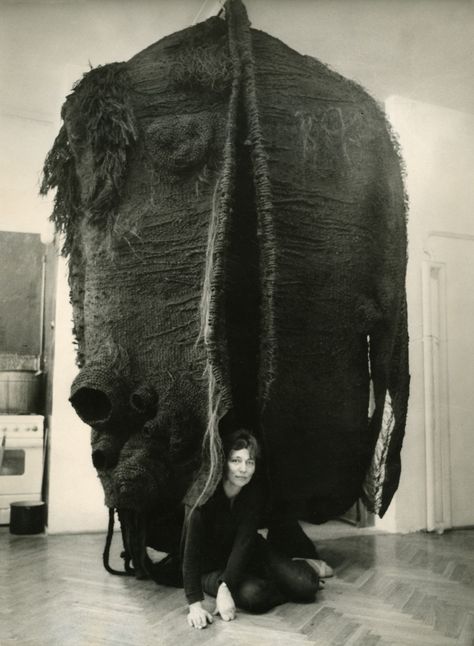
x,y
449,375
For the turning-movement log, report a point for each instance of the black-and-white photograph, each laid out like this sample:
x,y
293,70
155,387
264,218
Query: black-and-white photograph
x,y
236,314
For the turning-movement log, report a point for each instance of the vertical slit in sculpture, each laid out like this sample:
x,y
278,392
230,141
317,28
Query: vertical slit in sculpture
x,y
225,217
263,199
243,290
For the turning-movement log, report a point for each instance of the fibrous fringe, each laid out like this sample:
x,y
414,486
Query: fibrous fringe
x,y
59,173
103,112
99,115
375,477
218,389
212,458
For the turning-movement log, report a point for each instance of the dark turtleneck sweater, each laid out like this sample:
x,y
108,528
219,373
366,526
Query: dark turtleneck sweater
x,y
221,535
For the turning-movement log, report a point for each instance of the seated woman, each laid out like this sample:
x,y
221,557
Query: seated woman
x,y
225,557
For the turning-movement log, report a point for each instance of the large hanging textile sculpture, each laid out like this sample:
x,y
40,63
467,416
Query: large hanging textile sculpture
x,y
234,218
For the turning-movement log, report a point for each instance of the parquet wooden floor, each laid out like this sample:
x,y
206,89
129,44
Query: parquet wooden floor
x,y
389,590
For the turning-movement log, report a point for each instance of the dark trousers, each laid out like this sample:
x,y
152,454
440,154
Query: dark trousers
x,y
272,579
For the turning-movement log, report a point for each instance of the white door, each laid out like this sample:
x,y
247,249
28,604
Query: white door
x,y
455,255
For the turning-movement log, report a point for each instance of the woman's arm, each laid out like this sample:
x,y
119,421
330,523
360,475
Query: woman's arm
x,y
239,556
193,537
244,542
198,617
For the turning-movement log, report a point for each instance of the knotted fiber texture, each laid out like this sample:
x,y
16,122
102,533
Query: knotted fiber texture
x,y
234,218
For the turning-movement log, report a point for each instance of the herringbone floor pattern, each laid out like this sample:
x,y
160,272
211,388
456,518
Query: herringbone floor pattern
x,y
389,590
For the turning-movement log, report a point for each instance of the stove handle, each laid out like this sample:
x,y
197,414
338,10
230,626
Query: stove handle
x,y
2,449
16,444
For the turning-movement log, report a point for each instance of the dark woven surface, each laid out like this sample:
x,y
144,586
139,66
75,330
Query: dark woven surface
x,y
235,224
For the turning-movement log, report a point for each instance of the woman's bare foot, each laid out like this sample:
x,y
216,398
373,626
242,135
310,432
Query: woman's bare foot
x,y
322,569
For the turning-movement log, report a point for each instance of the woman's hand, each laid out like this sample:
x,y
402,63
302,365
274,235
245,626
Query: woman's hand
x,y
225,606
198,617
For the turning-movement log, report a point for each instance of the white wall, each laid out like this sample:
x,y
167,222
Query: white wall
x,y
24,141
438,149
75,493
421,49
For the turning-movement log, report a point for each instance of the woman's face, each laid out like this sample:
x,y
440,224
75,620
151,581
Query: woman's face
x,y
240,467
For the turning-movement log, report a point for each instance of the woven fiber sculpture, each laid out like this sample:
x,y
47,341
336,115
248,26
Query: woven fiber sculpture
x,y
234,217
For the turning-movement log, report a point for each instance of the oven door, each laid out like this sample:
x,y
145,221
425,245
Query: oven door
x,y
21,469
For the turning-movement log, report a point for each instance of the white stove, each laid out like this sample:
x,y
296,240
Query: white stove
x,y
21,460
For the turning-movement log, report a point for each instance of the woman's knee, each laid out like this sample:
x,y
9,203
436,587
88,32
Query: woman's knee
x,y
257,596
299,582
